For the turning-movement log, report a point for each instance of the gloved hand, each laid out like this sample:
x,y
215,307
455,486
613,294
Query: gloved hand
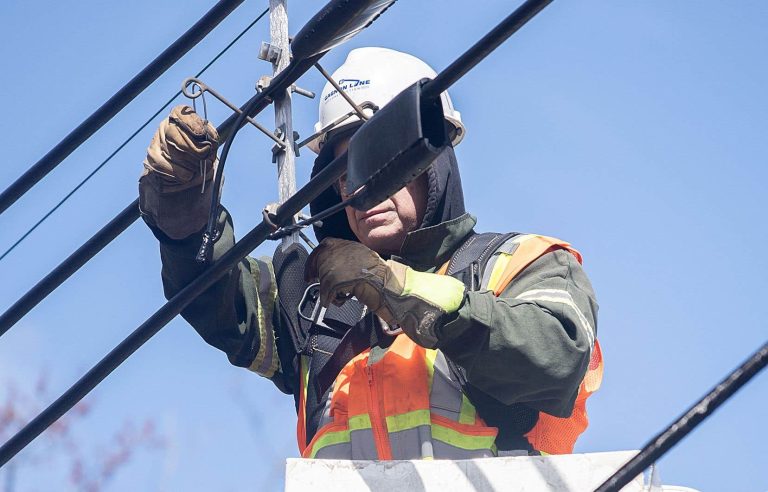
x,y
175,188
398,294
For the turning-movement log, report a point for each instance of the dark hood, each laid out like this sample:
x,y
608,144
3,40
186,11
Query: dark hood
x,y
445,199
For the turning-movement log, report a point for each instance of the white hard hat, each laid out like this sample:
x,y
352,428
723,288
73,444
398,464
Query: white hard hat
x,y
372,77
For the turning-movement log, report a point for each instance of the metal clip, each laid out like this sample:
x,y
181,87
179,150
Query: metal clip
x,y
203,169
318,311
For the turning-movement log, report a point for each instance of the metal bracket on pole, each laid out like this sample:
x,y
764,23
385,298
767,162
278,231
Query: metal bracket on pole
x,y
302,92
265,80
277,149
269,52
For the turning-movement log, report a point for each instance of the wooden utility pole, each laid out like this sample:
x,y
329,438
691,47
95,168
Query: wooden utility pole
x,y
280,56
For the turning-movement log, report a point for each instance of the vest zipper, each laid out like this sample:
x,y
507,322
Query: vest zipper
x,y
378,422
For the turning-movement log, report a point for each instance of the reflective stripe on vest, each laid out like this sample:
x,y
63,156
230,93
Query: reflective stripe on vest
x,y
402,403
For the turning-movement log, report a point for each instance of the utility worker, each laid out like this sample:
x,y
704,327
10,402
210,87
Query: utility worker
x,y
404,334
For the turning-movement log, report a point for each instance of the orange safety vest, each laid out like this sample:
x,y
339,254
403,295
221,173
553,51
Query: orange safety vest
x,y
401,402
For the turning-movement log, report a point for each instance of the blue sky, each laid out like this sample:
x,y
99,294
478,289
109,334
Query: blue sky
x,y
635,130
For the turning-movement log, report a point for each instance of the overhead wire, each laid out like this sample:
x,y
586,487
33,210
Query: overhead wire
x,y
482,48
86,252
167,312
660,444
130,138
117,102
105,235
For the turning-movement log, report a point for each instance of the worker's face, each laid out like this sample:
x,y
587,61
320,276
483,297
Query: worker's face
x,y
384,227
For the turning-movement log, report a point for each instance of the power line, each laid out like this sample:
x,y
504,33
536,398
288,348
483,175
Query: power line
x,y
695,415
117,102
485,46
88,250
69,266
130,214
173,307
129,139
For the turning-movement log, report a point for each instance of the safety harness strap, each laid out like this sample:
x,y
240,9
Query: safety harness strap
x,y
477,249
289,273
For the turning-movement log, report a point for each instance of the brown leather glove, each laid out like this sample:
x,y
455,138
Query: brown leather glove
x,y
398,294
175,188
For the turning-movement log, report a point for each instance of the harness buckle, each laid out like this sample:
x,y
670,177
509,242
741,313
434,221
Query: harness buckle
x,y
311,294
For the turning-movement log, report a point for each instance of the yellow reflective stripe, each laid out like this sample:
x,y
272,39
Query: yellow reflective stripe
x,y
269,308
264,309
503,261
462,441
304,364
410,420
467,413
329,439
430,356
447,293
498,269
359,422
403,422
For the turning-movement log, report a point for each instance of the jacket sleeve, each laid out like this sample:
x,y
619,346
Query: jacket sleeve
x,y
533,343
237,313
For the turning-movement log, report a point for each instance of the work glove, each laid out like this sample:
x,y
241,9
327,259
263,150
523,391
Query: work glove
x,y
414,301
175,186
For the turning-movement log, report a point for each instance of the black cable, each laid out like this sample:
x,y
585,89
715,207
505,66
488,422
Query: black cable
x,y
165,314
81,256
117,102
128,140
665,440
69,266
107,234
484,47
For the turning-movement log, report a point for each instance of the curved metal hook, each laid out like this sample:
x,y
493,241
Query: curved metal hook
x,y
193,82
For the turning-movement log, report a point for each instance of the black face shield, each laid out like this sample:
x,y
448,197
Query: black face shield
x,y
445,198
